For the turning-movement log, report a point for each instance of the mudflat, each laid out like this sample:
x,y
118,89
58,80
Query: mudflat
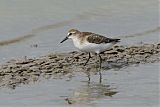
x,y
26,70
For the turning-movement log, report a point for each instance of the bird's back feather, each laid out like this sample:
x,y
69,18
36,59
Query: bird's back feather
x,y
99,39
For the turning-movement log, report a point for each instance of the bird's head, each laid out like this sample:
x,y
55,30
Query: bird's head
x,y
73,33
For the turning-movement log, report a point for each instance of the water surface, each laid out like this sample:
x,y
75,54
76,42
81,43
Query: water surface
x,y
48,22
132,86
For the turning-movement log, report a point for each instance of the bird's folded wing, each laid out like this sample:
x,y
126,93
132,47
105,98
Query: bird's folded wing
x,y
98,39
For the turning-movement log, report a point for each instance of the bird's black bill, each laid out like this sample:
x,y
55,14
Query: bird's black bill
x,y
64,39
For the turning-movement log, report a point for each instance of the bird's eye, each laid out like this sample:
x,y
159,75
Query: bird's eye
x,y
69,34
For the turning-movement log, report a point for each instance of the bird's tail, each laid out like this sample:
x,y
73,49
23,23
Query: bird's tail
x,y
115,40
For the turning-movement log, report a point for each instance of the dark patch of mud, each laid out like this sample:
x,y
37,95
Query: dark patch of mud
x,y
24,71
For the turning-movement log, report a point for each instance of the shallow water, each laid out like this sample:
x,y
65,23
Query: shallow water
x,y
132,86
34,28
48,22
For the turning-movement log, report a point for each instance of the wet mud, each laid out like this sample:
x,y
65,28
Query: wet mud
x,y
27,70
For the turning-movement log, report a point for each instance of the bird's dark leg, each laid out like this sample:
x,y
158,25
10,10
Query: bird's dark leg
x,y
87,59
100,62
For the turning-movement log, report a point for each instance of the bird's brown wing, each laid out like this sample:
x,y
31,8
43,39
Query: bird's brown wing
x,y
98,39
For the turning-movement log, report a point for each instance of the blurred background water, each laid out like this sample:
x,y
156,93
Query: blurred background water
x,y
35,27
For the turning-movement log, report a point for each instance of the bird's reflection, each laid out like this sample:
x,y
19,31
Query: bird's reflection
x,y
89,92
89,76
92,91
93,67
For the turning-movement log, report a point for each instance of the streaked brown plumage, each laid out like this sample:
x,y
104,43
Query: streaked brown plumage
x,y
98,39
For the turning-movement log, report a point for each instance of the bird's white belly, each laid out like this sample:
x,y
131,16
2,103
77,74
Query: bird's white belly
x,y
95,48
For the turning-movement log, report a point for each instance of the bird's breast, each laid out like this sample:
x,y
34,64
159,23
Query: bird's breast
x,y
91,47
77,43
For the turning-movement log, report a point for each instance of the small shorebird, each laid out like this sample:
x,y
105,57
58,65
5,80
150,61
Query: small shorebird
x,y
90,42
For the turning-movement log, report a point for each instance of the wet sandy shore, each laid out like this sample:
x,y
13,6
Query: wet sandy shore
x,y
26,70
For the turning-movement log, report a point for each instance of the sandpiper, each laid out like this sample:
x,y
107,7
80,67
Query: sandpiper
x,y
90,42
